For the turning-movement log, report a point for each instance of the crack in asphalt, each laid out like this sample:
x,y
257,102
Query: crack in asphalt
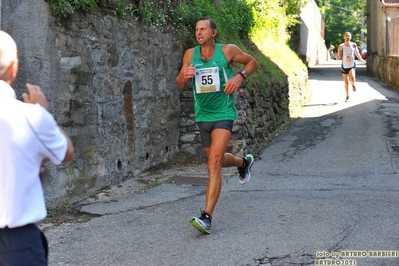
x,y
309,133
300,258
287,260
314,131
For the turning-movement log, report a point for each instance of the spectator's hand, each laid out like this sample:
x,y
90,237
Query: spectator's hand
x,y
35,96
233,84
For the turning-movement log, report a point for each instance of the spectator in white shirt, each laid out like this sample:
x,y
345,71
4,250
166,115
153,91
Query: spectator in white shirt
x,y
29,136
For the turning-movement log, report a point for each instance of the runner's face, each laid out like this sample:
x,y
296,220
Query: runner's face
x,y
347,36
204,32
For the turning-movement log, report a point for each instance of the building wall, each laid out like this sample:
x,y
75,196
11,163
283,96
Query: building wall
x,y
312,47
382,34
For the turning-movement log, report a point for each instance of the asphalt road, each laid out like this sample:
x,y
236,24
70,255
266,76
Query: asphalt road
x,y
325,190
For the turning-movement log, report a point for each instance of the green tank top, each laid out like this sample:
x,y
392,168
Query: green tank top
x,y
210,102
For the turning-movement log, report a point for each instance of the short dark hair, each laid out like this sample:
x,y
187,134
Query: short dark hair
x,y
211,21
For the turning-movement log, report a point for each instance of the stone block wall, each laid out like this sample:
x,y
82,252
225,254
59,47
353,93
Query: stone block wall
x,y
110,86
385,68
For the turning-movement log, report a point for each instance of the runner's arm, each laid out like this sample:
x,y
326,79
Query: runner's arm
x,y
339,52
234,54
187,71
358,54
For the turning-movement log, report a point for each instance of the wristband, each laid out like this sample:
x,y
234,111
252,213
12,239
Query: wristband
x,y
243,74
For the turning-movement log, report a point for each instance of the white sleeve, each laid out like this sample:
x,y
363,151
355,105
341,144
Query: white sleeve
x,y
47,133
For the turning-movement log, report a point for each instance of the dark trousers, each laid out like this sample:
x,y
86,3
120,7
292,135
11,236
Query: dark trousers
x,y
23,246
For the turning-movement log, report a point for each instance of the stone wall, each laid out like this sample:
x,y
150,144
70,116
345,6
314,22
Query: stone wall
x,y
386,69
111,86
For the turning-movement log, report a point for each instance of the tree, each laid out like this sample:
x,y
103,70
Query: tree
x,y
341,16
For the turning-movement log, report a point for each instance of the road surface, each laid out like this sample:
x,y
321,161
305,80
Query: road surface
x,y
325,192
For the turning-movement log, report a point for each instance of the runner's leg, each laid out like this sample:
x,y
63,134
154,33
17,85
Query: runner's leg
x,y
220,139
346,84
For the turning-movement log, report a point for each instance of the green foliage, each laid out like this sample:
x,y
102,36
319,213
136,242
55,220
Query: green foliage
x,y
292,9
341,16
238,16
153,13
275,17
185,16
64,207
233,18
270,34
64,8
269,17
124,8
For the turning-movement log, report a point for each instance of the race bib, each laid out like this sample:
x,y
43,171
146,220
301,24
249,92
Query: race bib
x,y
207,80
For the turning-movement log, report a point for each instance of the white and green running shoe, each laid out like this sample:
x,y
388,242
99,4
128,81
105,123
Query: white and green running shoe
x,y
245,171
203,223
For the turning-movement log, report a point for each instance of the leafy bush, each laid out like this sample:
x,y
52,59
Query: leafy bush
x,y
64,8
233,18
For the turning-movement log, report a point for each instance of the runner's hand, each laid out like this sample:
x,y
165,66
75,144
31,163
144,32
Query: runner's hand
x,y
233,84
189,72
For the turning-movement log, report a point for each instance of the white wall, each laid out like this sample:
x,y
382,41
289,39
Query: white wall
x,y
312,47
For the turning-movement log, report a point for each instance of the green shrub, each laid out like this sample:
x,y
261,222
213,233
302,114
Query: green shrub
x,y
64,8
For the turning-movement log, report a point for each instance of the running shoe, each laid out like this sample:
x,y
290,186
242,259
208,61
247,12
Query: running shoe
x,y
245,171
354,88
203,223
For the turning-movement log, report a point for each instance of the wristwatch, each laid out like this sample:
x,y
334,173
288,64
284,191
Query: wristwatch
x,y
243,74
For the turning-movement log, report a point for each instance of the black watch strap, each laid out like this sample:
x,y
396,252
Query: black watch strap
x,y
243,74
